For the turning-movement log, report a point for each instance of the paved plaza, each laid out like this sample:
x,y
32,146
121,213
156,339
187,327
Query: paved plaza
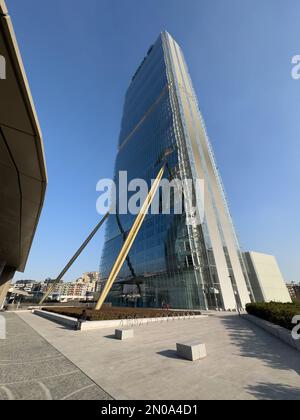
x,y
244,362
31,368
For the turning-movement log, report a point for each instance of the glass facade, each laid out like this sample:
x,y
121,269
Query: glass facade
x,y
188,266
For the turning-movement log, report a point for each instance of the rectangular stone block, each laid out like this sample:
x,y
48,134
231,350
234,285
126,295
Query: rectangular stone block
x,y
191,350
124,333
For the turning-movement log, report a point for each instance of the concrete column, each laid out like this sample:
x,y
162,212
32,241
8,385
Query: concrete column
x,y
2,265
6,275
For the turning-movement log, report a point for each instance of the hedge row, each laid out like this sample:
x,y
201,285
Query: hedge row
x,y
118,313
277,313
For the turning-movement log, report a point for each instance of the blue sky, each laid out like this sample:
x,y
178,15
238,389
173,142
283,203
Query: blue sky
x,y
80,58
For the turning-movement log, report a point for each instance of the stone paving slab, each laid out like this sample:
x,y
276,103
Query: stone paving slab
x,y
31,368
244,361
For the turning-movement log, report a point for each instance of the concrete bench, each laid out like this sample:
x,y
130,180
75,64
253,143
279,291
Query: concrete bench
x,y
124,333
191,350
59,319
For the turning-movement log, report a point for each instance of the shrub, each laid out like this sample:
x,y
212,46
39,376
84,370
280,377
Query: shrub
x,y
110,313
277,313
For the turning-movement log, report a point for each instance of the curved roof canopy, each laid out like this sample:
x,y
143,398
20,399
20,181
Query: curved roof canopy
x,y
23,176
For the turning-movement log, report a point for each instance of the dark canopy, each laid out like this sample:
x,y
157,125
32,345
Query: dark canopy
x,y
23,176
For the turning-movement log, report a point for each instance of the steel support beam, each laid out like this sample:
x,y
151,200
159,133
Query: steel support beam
x,y
130,239
73,259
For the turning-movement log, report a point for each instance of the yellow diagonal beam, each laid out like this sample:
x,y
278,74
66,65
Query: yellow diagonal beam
x,y
130,239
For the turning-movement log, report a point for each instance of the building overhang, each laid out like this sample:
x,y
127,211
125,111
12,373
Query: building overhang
x,y
23,177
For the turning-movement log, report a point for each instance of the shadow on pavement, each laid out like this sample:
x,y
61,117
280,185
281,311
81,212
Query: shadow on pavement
x,y
171,354
268,391
252,341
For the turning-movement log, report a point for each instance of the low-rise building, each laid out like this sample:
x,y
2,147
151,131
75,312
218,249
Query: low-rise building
x,y
81,289
26,285
266,278
294,290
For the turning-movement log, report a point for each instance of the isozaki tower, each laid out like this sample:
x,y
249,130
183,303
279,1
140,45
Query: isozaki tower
x,y
185,265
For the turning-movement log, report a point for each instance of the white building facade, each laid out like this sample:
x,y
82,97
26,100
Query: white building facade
x,y
266,279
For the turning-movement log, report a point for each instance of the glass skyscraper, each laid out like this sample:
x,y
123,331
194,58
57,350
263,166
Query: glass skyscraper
x,y
191,266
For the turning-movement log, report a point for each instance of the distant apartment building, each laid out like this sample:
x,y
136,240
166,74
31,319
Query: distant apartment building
x,y
81,289
26,285
265,277
90,277
294,290
70,291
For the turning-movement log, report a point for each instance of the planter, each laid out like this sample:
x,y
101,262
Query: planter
x,y
121,323
283,334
